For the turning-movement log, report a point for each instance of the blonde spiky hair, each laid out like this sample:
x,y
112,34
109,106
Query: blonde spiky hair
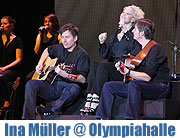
x,y
138,13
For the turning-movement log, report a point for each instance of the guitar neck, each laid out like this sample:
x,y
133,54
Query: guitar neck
x,y
62,66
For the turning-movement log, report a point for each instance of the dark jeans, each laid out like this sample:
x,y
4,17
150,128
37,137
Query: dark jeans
x,y
5,77
63,92
101,73
135,91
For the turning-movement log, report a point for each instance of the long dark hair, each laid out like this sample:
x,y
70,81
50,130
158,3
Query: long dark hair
x,y
54,20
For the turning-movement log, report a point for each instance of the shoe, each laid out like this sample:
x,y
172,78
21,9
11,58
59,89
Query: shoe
x,y
94,105
87,104
42,110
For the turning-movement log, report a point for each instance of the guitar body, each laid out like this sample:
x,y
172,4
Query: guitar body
x,y
132,62
47,73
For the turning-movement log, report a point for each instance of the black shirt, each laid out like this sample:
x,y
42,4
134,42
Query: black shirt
x,y
116,49
155,64
45,41
8,54
81,60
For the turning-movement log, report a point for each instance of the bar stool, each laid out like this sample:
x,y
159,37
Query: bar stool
x,y
12,87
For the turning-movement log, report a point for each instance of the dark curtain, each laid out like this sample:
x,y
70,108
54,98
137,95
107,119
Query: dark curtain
x,y
95,16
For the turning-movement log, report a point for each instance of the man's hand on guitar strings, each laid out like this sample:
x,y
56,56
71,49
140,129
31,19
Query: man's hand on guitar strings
x,y
39,68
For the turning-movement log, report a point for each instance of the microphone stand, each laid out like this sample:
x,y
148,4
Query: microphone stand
x,y
176,48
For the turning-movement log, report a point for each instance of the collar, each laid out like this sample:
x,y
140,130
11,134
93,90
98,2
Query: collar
x,y
126,27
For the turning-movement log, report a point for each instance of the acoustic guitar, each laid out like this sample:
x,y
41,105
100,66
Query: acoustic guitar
x,y
132,62
128,65
48,71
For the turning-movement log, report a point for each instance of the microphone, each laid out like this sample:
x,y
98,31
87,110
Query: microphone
x,y
43,28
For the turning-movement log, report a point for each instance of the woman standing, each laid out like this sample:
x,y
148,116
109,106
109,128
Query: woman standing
x,y
48,35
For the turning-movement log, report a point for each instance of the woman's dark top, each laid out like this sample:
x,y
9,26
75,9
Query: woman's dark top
x,y
45,41
116,49
8,54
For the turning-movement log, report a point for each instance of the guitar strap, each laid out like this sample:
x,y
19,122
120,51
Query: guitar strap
x,y
143,53
72,55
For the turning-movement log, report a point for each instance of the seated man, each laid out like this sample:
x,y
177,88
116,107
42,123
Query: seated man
x,y
150,77
65,87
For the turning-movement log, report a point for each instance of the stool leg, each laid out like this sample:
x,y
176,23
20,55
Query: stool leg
x,y
5,116
13,89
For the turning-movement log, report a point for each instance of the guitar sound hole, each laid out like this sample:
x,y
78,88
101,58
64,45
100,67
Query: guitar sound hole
x,y
42,75
47,69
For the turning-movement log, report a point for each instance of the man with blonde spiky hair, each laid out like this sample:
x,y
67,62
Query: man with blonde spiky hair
x,y
121,43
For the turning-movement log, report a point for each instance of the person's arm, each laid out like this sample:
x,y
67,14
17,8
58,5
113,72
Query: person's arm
x,y
19,53
133,74
75,78
37,48
82,69
139,75
44,55
154,59
103,47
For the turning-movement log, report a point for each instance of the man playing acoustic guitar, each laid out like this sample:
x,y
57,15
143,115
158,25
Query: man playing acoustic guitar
x,y
65,87
150,77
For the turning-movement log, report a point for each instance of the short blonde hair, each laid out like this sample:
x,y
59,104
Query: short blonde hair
x,y
138,12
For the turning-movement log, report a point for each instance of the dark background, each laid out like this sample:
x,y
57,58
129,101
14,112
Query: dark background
x,y
92,17
96,16
29,16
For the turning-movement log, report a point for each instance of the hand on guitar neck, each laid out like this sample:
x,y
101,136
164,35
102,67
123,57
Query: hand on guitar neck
x,y
120,66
